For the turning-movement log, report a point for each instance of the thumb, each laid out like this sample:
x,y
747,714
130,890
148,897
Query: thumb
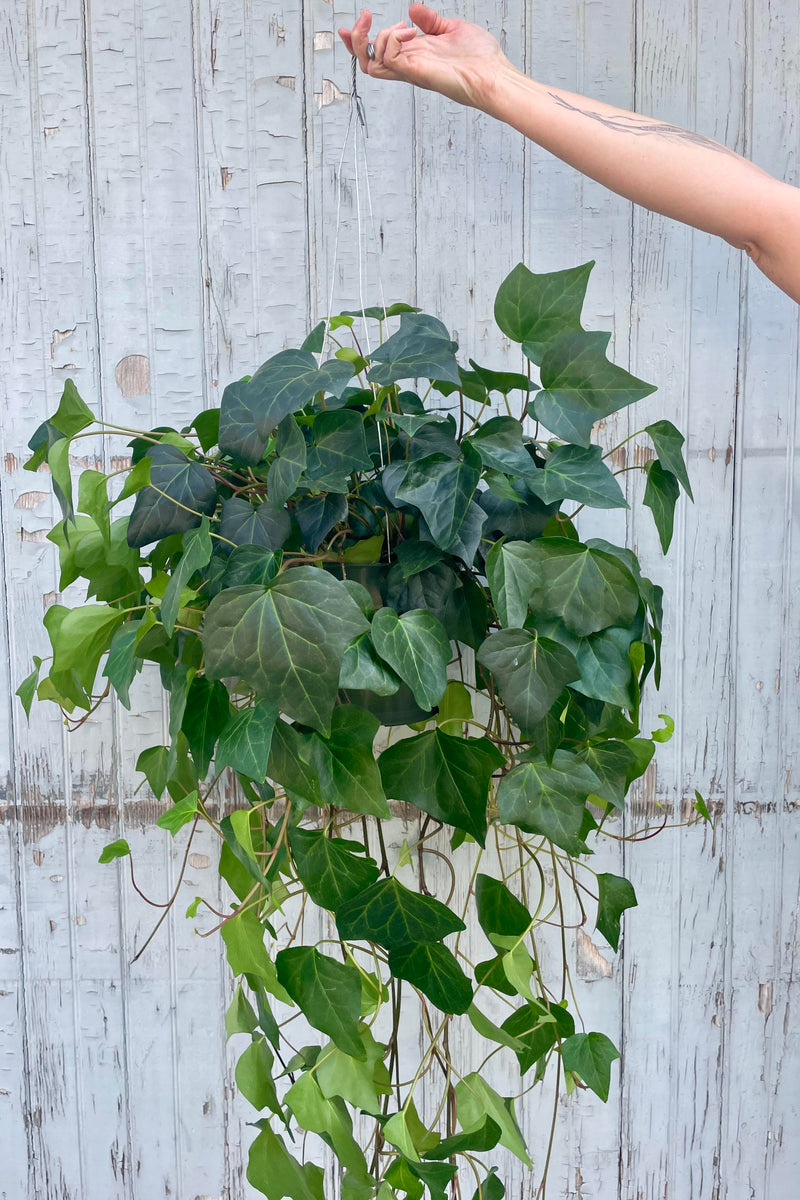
x,y
428,20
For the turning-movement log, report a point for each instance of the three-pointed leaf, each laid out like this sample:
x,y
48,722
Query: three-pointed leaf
x,y
328,992
247,524
180,493
531,672
421,347
590,1055
330,870
548,800
416,646
616,894
390,914
534,309
433,969
344,761
244,743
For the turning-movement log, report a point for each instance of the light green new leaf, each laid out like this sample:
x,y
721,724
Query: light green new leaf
x,y
616,894
328,1118
549,800
328,992
240,1017
286,641
117,849
406,1131
476,1101
346,766
392,915
445,776
661,496
79,637
531,672
590,1055
359,1082
245,742
535,309
487,1029
243,936
27,689
416,646
668,442
254,1077
180,814
273,1171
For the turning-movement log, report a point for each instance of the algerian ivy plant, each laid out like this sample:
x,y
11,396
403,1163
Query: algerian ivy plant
x,y
336,551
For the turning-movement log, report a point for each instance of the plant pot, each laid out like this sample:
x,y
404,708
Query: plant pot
x,y
400,708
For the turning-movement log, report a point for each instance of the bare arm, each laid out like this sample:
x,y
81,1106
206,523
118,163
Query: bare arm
x,y
660,166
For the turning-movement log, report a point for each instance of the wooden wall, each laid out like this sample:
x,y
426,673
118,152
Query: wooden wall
x,y
167,220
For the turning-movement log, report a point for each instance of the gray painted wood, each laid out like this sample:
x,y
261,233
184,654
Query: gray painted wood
x,y
168,190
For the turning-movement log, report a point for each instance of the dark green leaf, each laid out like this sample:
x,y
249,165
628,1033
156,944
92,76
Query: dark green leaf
x,y
122,663
317,516
250,564
701,807
587,589
605,668
660,496
246,524
196,554
442,491
290,764
492,1188
344,761
531,672
206,714
415,646
254,1077
273,1171
206,426
153,764
491,974
502,381
289,463
499,910
581,386
535,309
328,992
338,449
538,1028
485,1137
590,1055
363,670
610,761
616,894
513,571
421,347
244,742
179,495
578,473
391,915
668,442
331,871
500,445
286,641
413,557
445,776
548,800
435,971
117,849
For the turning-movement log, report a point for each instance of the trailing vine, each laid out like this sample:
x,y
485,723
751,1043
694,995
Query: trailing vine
x,y
323,558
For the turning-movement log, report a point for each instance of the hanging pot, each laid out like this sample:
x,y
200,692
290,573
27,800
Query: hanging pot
x,y
400,708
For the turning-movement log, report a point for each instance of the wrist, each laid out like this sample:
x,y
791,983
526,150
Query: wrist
x,y
496,91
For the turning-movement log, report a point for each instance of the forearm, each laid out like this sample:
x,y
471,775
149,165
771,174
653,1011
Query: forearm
x,y
664,168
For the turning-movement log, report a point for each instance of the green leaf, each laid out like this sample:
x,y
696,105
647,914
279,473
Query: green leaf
x,y
442,490
206,426
668,442
273,1171
282,385
580,386
701,807
246,524
476,1101
117,849
590,1055
79,637
328,992
435,971
660,496
290,764
249,564
363,670
180,814
197,550
485,1137
605,668
345,763
27,689
447,777
405,1130
455,707
499,911
180,493
243,935
421,348
492,1188
535,309
328,867
513,571
71,416
501,447
416,646
240,1017
254,1077
289,462
585,588
366,552
391,915
491,974
359,1082
123,664
578,473
285,641
502,381
93,500
610,761
328,1118
317,516
538,1028
237,831
244,743
548,800
339,448
665,734
487,1029
531,672
206,714
153,763
616,894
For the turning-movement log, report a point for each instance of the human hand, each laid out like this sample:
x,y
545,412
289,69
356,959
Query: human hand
x,y
456,58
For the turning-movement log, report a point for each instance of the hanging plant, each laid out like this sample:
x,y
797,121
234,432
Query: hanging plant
x,y
328,555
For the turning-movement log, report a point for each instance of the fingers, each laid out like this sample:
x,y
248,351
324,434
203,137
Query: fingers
x,y
382,39
395,43
359,36
428,20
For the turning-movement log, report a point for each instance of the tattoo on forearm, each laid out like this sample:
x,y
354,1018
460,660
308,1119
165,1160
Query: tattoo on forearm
x,y
640,126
